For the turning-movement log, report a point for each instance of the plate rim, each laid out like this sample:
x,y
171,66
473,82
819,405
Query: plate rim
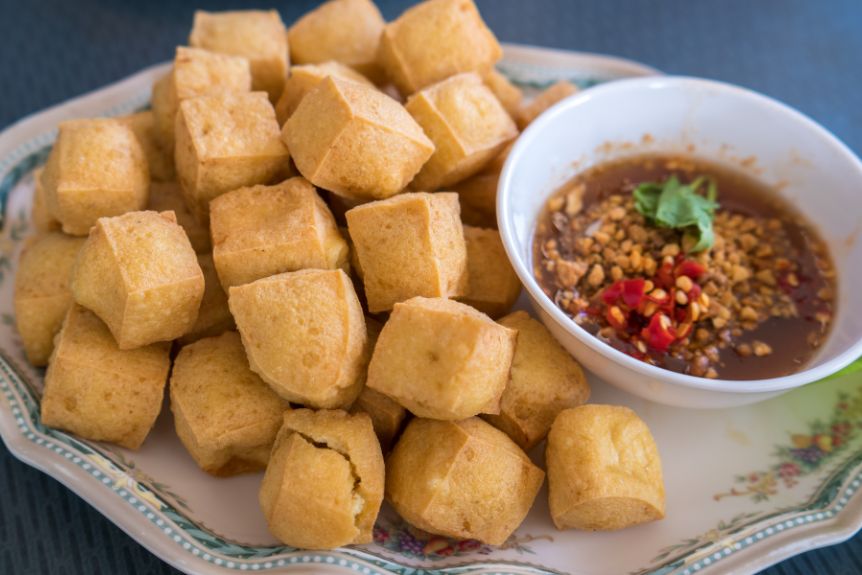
x,y
26,138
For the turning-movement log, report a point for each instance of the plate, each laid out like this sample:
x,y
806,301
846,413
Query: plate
x,y
746,487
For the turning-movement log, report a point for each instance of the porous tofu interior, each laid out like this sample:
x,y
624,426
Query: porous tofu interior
x,y
320,442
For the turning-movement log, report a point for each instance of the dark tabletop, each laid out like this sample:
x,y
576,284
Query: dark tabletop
x,y
806,53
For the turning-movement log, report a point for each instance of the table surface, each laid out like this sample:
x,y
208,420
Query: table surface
x,y
805,53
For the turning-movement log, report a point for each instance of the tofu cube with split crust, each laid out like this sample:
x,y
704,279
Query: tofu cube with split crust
x,y
304,334
96,169
266,230
225,415
139,274
324,485
257,35
461,479
42,294
604,470
442,359
467,124
225,142
434,40
98,391
354,140
410,245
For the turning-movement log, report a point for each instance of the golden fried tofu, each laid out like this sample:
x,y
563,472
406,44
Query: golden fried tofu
x,y
442,359
552,95
462,479
41,218
196,73
42,294
352,139
604,471
225,142
257,35
324,484
304,334
96,169
544,380
386,415
434,40
159,159
510,95
225,415
98,391
409,245
214,316
266,230
346,31
303,79
467,124
493,286
478,194
139,274
168,196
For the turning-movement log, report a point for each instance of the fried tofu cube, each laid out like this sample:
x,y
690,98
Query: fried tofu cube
x,y
266,230
98,391
346,31
544,380
442,359
324,484
159,160
139,274
409,245
551,95
510,95
493,286
168,196
42,294
41,218
96,169
354,140
462,479
304,334
196,73
386,415
225,415
303,79
434,40
225,142
257,35
214,316
478,194
604,470
467,124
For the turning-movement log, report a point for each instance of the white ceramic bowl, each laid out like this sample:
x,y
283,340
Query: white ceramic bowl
x,y
717,121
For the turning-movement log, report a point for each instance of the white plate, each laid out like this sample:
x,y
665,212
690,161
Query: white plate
x,y
746,488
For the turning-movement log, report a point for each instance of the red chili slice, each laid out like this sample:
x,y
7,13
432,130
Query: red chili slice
x,y
633,292
656,335
690,268
612,294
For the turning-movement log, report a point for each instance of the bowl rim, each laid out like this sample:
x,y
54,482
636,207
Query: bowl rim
x,y
535,130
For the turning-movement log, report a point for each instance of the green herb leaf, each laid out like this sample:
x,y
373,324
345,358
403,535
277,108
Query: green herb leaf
x,y
672,204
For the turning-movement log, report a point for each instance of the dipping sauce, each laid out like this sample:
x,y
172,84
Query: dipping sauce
x,y
731,284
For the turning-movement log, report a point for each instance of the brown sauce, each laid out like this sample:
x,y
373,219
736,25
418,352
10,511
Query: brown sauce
x,y
769,279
